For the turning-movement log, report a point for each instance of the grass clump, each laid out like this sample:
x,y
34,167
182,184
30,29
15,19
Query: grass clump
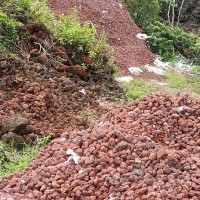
x,y
136,89
195,82
175,80
19,159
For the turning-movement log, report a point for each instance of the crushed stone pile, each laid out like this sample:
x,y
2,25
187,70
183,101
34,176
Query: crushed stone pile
x,y
148,149
112,18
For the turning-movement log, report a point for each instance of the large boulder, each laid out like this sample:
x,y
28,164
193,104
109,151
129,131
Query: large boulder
x,y
16,124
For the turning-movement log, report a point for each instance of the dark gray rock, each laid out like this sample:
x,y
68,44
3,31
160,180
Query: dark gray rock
x,y
121,146
16,124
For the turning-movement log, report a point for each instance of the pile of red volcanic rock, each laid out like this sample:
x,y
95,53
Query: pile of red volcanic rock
x,y
53,96
111,17
148,149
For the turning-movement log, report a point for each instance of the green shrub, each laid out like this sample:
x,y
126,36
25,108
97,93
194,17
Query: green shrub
x,y
167,41
7,31
68,31
143,11
197,51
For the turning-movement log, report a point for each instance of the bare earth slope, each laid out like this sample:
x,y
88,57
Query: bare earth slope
x,y
113,18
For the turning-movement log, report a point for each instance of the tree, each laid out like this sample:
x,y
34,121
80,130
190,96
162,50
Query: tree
x,y
143,12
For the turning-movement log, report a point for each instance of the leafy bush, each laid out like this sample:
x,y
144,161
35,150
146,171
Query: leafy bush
x,y
70,32
143,11
7,31
167,41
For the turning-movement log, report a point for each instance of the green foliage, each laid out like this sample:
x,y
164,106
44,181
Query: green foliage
x,y
197,51
143,11
7,31
195,81
19,159
196,69
177,81
167,41
69,31
136,89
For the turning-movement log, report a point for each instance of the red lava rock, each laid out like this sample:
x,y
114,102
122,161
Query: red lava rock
x,y
121,146
138,164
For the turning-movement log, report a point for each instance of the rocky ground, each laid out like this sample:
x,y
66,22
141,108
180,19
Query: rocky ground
x,y
149,149
51,96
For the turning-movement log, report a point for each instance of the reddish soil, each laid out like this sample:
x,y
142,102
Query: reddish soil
x,y
113,19
148,149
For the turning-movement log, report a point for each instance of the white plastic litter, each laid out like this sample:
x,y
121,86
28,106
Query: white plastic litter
x,y
181,108
162,84
81,171
161,64
142,36
120,5
63,140
82,91
101,123
183,66
110,197
135,70
73,156
155,70
125,79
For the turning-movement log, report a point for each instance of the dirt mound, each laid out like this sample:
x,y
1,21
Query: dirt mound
x,y
113,19
149,149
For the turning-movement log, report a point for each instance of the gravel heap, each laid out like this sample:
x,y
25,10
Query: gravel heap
x,y
148,149
111,17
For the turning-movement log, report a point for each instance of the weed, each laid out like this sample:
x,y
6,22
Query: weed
x,y
196,69
89,115
136,89
19,159
175,80
195,82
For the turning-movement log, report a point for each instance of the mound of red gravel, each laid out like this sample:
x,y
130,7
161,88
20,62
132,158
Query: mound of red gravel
x,y
149,149
111,17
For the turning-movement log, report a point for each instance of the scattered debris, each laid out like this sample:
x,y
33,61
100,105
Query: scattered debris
x,y
155,70
83,91
160,64
135,70
142,36
125,79
73,156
